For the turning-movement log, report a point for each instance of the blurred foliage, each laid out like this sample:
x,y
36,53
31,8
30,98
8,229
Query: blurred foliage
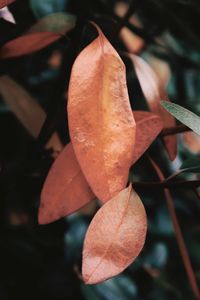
x,y
44,262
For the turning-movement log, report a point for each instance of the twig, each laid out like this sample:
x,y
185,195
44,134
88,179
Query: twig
x,y
132,9
179,236
167,184
174,130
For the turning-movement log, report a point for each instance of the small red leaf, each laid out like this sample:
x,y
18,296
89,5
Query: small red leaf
x,y
101,123
5,3
61,195
115,237
65,189
154,91
27,44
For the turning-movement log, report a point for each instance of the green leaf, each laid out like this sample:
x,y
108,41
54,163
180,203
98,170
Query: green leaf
x,y
183,115
47,7
54,23
191,164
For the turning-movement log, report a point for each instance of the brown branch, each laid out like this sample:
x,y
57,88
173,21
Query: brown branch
x,y
123,21
174,130
179,236
167,184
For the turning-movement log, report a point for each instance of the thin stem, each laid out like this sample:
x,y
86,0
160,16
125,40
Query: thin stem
x,y
167,184
174,130
179,236
132,9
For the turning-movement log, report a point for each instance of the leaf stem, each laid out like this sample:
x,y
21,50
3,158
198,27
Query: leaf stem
x,y
179,236
167,184
174,130
123,21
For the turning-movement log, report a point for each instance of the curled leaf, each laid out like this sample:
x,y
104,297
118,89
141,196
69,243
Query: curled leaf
x,y
115,237
27,44
65,189
101,123
5,3
62,196
154,92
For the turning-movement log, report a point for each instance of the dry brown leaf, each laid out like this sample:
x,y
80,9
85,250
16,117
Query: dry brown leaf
x,y
26,109
65,189
154,91
115,237
27,44
58,198
5,3
148,126
161,68
133,43
192,141
101,123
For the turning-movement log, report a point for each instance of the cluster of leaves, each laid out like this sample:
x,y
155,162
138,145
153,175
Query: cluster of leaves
x,y
107,138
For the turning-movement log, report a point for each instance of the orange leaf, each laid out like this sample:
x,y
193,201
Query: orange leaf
x,y
61,195
154,91
5,3
27,110
133,43
101,123
65,189
115,237
27,44
192,141
148,126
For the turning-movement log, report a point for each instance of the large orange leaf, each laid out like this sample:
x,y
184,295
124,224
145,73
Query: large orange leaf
x,y
27,44
65,189
5,3
62,195
154,91
115,237
101,123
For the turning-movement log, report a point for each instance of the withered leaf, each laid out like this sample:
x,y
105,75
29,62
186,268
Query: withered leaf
x,y
62,196
132,42
115,237
192,141
148,126
101,124
154,92
5,3
27,110
27,44
65,189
